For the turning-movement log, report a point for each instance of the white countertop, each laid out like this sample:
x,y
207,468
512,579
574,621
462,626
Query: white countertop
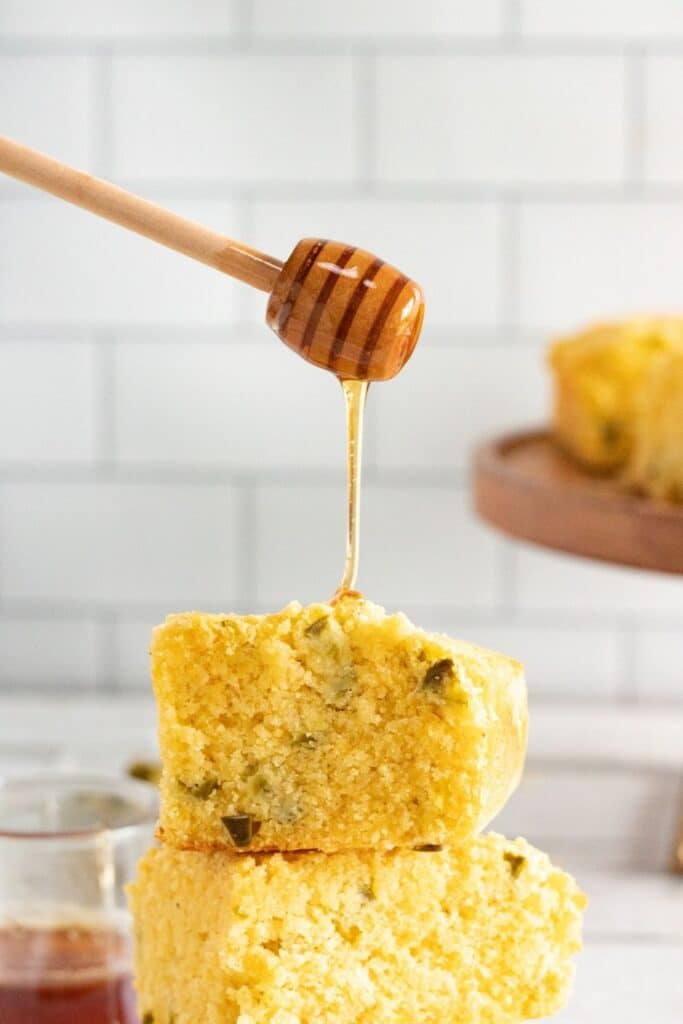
x,y
627,982
631,968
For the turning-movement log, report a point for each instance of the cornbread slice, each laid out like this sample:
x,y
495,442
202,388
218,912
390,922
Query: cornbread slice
x,y
597,376
328,728
656,464
482,933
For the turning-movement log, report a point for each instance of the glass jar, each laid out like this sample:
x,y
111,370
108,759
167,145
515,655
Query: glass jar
x,y
68,846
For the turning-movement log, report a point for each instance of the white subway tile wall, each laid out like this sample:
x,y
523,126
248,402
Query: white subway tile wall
x,y
116,19
635,20
108,544
502,387
159,450
49,102
546,581
488,120
659,662
381,20
50,651
581,260
208,118
576,660
453,248
664,154
61,267
186,403
48,406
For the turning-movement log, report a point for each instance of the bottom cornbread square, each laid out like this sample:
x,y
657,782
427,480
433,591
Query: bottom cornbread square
x,y
481,933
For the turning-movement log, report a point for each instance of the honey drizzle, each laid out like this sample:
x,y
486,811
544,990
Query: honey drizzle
x,y
355,393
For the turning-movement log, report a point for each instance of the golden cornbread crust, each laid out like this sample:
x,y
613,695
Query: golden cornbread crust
x,y
598,373
482,933
656,465
330,727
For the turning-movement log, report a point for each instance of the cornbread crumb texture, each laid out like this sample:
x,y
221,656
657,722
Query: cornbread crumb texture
x,y
482,933
598,374
656,466
330,727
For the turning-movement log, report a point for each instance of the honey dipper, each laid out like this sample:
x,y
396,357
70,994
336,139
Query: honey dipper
x,y
337,306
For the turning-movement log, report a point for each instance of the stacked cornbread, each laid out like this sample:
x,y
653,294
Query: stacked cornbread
x,y
325,773
619,401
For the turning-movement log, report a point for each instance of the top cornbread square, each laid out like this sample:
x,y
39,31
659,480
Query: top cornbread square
x,y
330,727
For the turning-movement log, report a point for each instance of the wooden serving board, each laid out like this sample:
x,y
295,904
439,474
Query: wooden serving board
x,y
525,486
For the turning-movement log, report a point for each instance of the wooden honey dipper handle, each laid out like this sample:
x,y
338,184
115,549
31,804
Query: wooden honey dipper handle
x,y
337,306
139,215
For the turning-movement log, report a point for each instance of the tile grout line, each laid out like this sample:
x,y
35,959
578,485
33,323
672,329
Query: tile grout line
x,y
244,230
246,538
507,568
510,260
243,16
170,475
417,191
364,107
105,405
233,43
511,22
243,332
627,686
108,661
102,113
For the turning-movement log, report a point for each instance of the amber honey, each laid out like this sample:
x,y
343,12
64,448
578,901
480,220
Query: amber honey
x,y
68,974
355,393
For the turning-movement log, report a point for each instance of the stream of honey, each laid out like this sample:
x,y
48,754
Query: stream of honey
x,y
355,393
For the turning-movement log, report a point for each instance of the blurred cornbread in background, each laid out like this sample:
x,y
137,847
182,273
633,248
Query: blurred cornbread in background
x,y
618,401
656,463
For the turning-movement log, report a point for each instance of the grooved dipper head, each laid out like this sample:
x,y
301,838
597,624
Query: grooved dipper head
x,y
345,310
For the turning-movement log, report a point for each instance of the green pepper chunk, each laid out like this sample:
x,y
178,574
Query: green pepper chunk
x,y
437,675
146,771
307,739
259,784
200,790
342,688
287,814
611,432
148,1018
242,828
316,627
515,862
